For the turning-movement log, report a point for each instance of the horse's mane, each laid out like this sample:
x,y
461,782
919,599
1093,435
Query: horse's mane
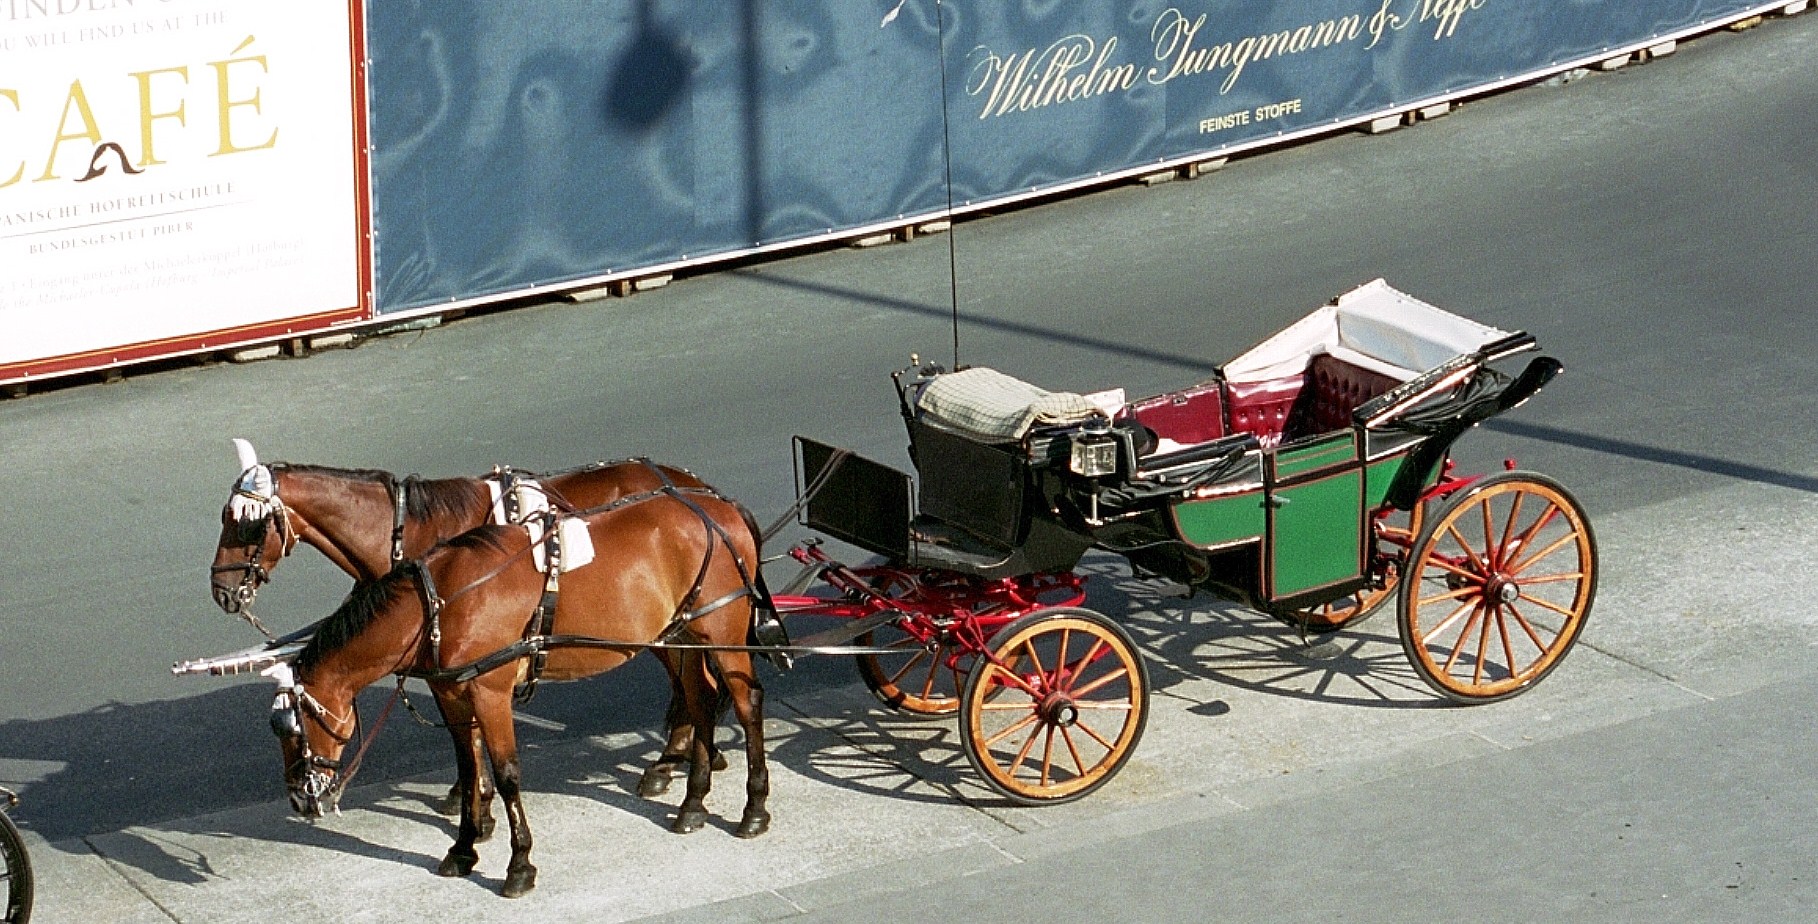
x,y
423,499
368,598
355,613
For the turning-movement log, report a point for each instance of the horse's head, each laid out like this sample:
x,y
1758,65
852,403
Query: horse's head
x,y
311,736
255,533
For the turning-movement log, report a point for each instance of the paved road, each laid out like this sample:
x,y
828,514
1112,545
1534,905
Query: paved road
x,y
1652,226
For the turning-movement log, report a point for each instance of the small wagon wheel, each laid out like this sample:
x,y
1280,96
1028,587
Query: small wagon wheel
x,y
914,677
1498,589
1056,708
1397,530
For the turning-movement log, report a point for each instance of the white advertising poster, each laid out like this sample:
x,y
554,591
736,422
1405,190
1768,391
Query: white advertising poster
x,y
174,175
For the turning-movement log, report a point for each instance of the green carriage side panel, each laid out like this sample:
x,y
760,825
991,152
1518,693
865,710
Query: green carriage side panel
x,y
1377,477
1316,516
1221,521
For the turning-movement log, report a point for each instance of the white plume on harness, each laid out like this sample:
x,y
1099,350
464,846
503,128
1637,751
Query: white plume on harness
x,y
253,495
532,507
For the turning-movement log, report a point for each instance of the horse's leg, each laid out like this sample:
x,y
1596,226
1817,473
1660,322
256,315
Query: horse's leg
x,y
698,697
655,780
492,707
457,712
457,795
741,684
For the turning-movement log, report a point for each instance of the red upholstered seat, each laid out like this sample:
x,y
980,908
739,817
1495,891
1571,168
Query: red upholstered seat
x,y
1262,408
1189,417
1337,388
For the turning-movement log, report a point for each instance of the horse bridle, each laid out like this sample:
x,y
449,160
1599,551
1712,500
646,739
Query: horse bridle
x,y
320,776
253,571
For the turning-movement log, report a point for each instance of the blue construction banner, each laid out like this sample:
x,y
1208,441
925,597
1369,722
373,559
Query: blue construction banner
x,y
519,146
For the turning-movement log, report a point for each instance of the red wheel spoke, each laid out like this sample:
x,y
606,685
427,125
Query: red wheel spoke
x,y
1527,627
1022,753
1079,763
1474,576
1094,735
1483,644
1550,605
1508,530
1078,668
896,678
1013,728
1464,637
1541,522
1048,757
1476,563
1099,684
1447,622
1535,558
1490,551
1508,647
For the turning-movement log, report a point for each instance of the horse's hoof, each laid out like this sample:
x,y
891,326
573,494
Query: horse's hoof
x,y
753,825
456,865
719,760
654,782
519,881
688,822
451,803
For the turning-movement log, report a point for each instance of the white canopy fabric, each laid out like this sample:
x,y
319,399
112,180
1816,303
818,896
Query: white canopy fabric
x,y
1373,326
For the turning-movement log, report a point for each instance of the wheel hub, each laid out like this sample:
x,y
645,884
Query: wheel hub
x,y
1058,709
1502,590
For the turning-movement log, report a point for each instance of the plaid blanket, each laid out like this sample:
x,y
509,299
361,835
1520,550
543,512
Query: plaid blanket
x,y
988,405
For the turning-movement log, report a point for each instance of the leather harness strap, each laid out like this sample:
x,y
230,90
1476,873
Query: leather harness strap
x,y
538,637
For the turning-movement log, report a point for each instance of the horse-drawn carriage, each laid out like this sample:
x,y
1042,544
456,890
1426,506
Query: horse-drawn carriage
x,y
1309,479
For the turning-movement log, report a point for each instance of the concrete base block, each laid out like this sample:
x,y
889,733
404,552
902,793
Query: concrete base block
x,y
874,240
1659,51
1156,179
1194,170
1384,124
1432,112
1796,7
331,342
592,294
1741,24
934,227
251,354
1610,64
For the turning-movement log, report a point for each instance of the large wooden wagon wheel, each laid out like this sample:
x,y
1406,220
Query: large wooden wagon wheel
x,y
1498,589
1395,533
1057,708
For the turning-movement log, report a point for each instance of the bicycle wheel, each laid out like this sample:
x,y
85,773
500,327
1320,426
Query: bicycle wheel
x,y
15,872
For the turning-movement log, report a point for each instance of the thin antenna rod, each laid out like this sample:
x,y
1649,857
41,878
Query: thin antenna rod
x,y
940,19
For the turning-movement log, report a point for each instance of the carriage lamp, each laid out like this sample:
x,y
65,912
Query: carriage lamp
x,y
1094,449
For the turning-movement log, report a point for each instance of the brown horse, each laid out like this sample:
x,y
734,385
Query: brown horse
x,y
367,521
674,565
